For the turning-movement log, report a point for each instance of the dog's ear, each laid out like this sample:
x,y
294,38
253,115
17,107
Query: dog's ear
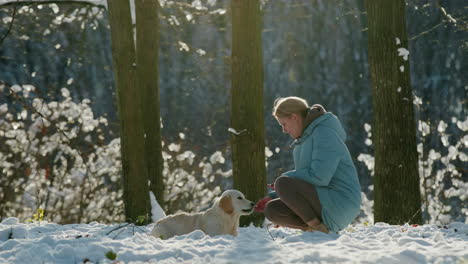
x,y
226,204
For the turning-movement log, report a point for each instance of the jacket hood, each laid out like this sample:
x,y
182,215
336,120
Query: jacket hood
x,y
326,120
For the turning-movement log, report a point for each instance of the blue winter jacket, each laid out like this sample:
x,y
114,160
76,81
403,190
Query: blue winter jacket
x,y
322,159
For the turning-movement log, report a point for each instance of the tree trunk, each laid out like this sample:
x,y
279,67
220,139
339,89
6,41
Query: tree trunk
x,y
135,179
397,197
248,147
148,80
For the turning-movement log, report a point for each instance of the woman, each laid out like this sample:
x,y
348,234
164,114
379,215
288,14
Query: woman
x,y
322,192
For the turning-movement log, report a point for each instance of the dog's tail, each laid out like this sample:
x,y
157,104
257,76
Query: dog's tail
x,y
156,210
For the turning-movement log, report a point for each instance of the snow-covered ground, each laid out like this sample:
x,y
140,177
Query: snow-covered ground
x,y
89,243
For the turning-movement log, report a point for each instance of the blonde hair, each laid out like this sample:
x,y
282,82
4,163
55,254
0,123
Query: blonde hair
x,y
285,107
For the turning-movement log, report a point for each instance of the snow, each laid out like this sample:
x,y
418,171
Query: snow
x,y
233,131
404,53
43,242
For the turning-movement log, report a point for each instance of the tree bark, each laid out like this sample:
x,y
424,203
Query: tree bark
x,y
135,179
248,147
148,80
397,197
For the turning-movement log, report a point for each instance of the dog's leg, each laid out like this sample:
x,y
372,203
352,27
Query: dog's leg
x,y
159,232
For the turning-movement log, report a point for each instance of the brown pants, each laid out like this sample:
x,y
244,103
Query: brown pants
x,y
298,203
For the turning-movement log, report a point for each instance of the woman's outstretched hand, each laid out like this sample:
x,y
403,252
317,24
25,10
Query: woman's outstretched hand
x,y
260,206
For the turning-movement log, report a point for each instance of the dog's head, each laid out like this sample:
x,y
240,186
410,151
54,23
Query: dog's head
x,y
234,202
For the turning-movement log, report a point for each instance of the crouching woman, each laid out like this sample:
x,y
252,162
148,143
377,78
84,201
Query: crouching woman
x,y
323,192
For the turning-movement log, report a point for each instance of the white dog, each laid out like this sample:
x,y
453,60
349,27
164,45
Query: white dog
x,y
222,218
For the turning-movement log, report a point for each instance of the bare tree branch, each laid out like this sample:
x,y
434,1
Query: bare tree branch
x,y
460,23
97,3
11,23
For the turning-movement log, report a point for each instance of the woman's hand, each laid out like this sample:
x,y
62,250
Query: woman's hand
x,y
260,206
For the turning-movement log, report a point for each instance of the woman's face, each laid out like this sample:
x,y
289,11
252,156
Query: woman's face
x,y
291,125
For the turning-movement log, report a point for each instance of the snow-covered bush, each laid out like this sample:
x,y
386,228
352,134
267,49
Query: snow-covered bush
x,y
192,182
444,185
443,182
57,156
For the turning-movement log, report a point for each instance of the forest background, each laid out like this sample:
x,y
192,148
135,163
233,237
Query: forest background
x,y
57,57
